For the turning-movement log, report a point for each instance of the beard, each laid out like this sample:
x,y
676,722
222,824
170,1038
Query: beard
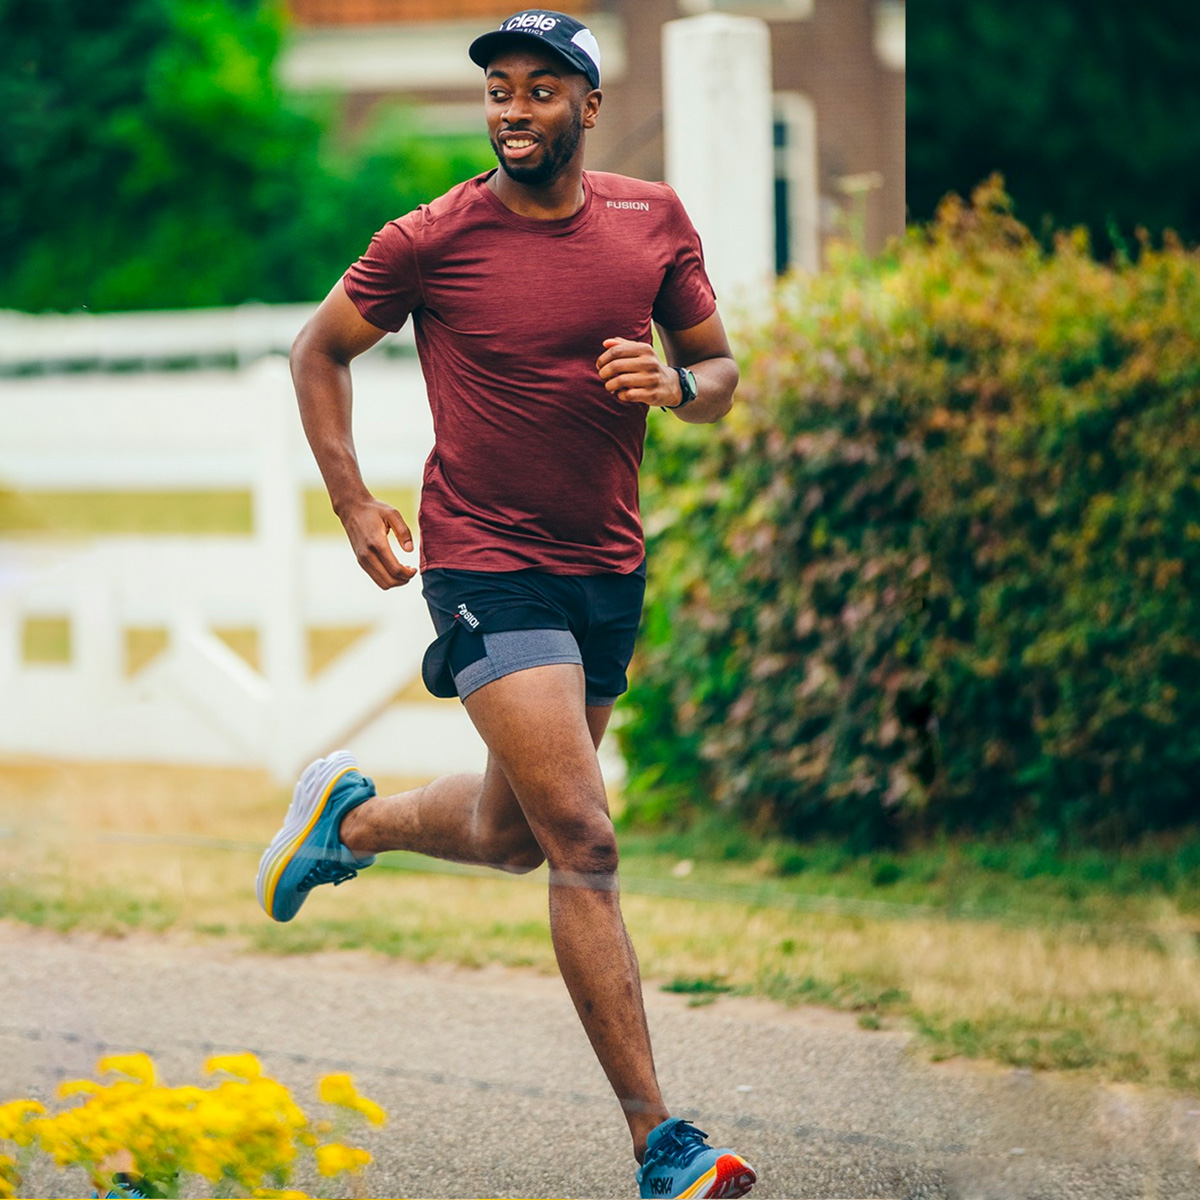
x,y
556,155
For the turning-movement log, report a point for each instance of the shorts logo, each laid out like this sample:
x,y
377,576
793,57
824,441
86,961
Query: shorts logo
x,y
637,205
531,21
468,616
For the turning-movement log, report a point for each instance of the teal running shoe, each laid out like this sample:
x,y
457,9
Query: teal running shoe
x,y
307,851
679,1162
126,1185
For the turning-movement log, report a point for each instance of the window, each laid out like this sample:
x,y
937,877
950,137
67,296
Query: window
x,y
797,245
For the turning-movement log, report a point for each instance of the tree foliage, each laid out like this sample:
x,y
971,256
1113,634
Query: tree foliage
x,y
1090,111
939,567
148,159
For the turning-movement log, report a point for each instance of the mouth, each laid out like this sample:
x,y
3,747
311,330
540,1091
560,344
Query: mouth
x,y
518,145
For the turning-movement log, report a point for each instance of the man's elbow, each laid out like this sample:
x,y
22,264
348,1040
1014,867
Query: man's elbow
x,y
729,389
312,346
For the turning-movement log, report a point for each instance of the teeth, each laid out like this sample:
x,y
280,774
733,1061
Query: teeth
x,y
518,143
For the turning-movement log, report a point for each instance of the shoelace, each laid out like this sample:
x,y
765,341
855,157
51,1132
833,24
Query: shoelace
x,y
682,1143
326,872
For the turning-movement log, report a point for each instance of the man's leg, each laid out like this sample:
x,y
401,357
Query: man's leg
x,y
541,798
467,818
535,725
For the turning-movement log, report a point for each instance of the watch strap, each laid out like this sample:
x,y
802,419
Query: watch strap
x,y
687,384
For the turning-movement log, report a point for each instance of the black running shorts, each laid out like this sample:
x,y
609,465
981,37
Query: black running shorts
x,y
494,623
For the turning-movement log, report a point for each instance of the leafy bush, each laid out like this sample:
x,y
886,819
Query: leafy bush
x,y
939,567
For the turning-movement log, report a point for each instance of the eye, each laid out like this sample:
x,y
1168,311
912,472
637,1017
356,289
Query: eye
x,y
542,93
496,94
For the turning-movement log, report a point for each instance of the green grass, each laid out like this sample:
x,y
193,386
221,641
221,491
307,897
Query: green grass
x,y
1020,881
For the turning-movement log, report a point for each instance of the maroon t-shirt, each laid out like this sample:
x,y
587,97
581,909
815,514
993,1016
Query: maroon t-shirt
x,y
534,463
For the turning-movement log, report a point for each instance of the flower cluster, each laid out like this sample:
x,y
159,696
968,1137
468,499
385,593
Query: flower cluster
x,y
243,1131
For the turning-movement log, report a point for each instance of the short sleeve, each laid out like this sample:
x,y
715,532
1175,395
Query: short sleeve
x,y
385,284
686,296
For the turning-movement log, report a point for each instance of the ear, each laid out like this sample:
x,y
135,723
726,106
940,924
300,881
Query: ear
x,y
591,108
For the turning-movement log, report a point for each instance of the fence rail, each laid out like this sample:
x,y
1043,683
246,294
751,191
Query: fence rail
x,y
74,341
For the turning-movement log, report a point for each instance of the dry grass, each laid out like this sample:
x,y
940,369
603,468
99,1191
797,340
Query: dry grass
x,y
74,514
1127,1007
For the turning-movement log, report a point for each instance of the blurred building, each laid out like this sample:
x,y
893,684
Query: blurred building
x,y
838,80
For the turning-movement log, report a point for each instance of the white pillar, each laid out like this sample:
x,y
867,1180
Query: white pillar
x,y
719,152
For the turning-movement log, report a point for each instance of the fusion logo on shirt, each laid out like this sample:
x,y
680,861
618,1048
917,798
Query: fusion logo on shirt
x,y
638,205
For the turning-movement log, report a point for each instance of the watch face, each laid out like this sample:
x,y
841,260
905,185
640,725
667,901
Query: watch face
x,y
689,386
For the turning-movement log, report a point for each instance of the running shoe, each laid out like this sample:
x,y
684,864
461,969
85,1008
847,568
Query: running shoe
x,y
307,851
679,1162
126,1185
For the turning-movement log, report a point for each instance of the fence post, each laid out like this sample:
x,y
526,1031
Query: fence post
x,y
719,155
279,535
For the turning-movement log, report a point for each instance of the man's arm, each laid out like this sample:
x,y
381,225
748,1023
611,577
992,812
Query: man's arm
x,y
320,360
634,373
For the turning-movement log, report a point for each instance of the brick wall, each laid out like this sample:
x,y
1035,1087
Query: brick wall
x,y
397,12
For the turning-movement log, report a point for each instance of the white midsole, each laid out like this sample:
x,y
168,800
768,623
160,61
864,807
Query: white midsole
x,y
309,791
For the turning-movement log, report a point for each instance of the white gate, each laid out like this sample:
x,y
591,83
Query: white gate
x,y
198,700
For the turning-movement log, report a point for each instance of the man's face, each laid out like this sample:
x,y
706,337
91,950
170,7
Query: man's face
x,y
537,108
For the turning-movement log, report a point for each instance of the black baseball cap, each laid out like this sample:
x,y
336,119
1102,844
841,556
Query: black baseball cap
x,y
567,37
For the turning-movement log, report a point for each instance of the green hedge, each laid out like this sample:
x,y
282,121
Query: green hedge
x,y
939,568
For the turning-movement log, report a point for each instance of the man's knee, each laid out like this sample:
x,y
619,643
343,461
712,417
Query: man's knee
x,y
584,846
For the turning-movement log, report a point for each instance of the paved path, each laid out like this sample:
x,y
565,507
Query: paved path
x,y
493,1091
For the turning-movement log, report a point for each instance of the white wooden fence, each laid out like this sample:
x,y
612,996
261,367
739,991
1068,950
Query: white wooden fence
x,y
198,701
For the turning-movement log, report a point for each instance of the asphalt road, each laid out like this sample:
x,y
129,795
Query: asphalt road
x,y
492,1089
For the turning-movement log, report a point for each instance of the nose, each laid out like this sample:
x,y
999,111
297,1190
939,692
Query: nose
x,y
516,110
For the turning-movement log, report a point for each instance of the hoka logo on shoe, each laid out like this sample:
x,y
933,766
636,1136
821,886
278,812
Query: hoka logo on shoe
x,y
662,1186
468,616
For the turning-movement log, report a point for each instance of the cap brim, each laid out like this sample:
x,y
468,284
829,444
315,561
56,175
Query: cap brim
x,y
484,48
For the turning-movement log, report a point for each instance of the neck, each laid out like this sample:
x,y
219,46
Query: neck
x,y
562,197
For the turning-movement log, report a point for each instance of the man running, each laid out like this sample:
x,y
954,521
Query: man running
x,y
532,289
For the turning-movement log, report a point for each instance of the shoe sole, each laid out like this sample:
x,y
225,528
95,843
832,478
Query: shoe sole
x,y
309,798
730,1176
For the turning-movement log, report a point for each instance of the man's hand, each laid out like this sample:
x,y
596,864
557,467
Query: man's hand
x,y
636,375
368,523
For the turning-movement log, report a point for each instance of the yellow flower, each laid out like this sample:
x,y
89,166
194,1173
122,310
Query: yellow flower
x,y
10,1177
244,1066
273,1194
336,1158
13,1117
371,1111
136,1066
78,1087
338,1089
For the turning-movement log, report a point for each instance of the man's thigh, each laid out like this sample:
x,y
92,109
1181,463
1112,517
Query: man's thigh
x,y
499,804
543,737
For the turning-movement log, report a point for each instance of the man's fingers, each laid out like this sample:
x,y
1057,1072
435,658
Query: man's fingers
x,y
630,379
631,368
618,348
384,568
373,548
401,530
639,396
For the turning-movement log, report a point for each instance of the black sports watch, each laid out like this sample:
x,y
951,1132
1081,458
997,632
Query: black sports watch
x,y
687,384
